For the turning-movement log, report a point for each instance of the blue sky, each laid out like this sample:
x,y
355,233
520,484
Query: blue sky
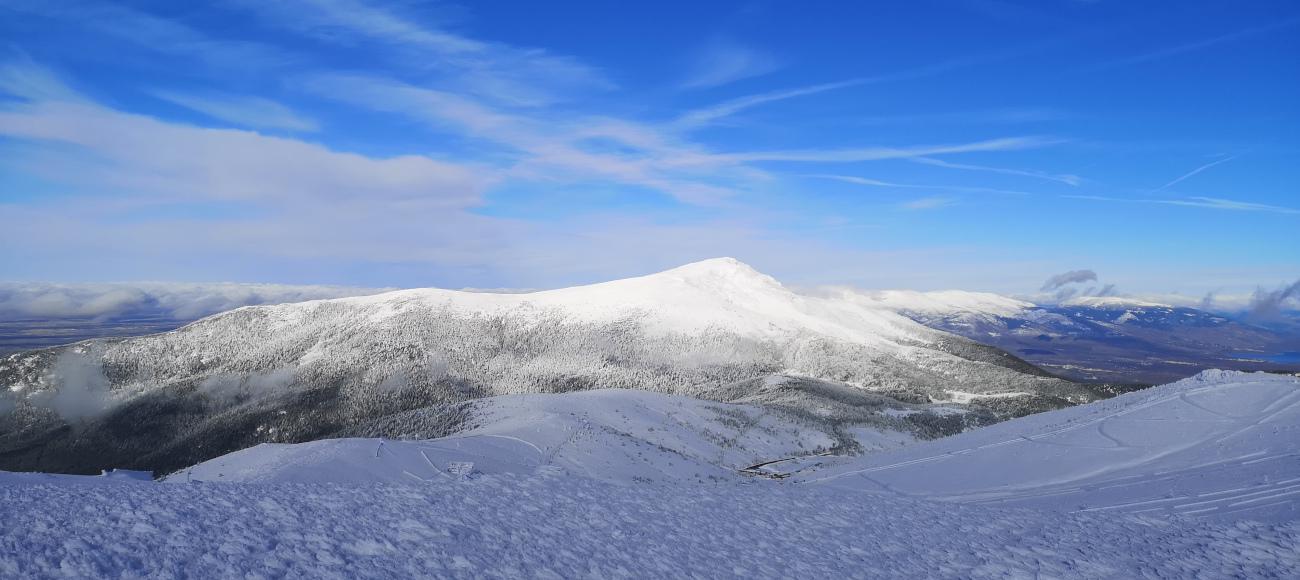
x,y
982,145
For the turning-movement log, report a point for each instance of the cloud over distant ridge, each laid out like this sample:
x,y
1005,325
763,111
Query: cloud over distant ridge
x,y
171,300
1268,304
1071,277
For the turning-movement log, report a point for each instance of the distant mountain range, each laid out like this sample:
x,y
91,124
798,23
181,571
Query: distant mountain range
x,y
405,362
1107,339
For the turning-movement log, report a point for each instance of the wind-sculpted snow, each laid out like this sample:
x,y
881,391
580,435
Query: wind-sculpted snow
x,y
546,526
297,372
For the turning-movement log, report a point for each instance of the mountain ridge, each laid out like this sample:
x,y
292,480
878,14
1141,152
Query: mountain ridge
x,y
1103,339
294,372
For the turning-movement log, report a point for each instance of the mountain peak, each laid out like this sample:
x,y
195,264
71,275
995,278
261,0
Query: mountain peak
x,y
724,269
715,264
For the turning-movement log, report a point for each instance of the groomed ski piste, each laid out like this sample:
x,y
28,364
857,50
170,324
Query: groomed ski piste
x,y
1196,479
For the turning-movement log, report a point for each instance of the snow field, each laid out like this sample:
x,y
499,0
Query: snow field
x,y
544,526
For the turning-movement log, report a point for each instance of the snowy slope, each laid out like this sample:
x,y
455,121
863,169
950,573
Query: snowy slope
x,y
1190,480
1113,302
618,436
1221,444
946,302
720,293
295,372
544,526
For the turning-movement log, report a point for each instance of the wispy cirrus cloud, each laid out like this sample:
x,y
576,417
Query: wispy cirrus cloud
x,y
157,35
507,74
881,153
160,159
978,117
544,146
1175,50
927,203
1201,202
178,300
22,78
555,147
1193,172
253,112
856,180
723,62
706,115
1066,178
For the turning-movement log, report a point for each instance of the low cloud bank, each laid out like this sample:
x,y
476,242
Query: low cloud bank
x,y
1062,287
1269,304
180,301
1071,277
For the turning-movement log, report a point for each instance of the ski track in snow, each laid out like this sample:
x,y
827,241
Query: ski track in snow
x,y
1199,473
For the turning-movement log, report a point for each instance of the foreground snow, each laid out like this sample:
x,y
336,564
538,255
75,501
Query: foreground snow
x,y
552,527
1193,479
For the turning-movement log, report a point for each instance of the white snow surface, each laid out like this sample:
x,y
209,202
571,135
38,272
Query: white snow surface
x,y
1112,302
1218,445
1056,495
720,293
609,435
945,302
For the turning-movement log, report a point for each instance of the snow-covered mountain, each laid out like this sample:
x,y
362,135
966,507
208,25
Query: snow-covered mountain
x,y
294,372
1197,479
1094,338
1218,445
618,436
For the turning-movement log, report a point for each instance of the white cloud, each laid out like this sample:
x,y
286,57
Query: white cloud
x,y
926,203
550,147
1065,178
23,79
881,153
252,112
1195,171
1201,202
893,185
992,116
1171,51
139,154
707,115
545,146
724,62
158,35
184,301
503,73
